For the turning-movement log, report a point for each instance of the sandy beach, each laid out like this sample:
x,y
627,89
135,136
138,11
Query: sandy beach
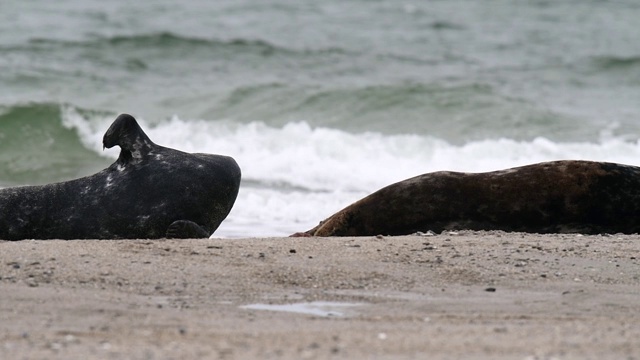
x,y
486,295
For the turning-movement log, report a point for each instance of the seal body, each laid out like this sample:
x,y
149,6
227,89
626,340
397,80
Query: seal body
x,y
551,197
149,192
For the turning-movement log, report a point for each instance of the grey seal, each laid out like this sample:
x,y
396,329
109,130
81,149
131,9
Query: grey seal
x,y
149,192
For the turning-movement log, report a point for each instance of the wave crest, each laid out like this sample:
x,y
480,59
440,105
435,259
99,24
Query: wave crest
x,y
293,175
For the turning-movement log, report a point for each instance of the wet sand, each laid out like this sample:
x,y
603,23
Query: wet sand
x,y
487,295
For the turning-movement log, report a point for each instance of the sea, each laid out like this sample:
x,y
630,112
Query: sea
x,y
320,102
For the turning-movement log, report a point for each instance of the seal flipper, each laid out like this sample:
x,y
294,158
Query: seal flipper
x,y
185,229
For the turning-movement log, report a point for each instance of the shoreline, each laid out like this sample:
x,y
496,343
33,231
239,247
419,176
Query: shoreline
x,y
463,294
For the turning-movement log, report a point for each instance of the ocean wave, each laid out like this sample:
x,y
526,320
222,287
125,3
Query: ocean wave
x,y
36,148
293,175
297,174
169,40
295,155
617,62
459,113
302,157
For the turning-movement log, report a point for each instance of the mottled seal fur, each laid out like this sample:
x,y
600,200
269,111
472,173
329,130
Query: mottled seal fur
x,y
551,197
149,192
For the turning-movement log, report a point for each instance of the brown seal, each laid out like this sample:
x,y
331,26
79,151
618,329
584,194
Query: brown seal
x,y
551,197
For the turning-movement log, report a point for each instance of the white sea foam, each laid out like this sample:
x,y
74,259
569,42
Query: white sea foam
x,y
297,175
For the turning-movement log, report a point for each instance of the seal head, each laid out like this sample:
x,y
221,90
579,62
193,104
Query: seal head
x,y
126,133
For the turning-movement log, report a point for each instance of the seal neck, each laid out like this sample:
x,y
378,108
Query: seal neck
x,y
126,133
